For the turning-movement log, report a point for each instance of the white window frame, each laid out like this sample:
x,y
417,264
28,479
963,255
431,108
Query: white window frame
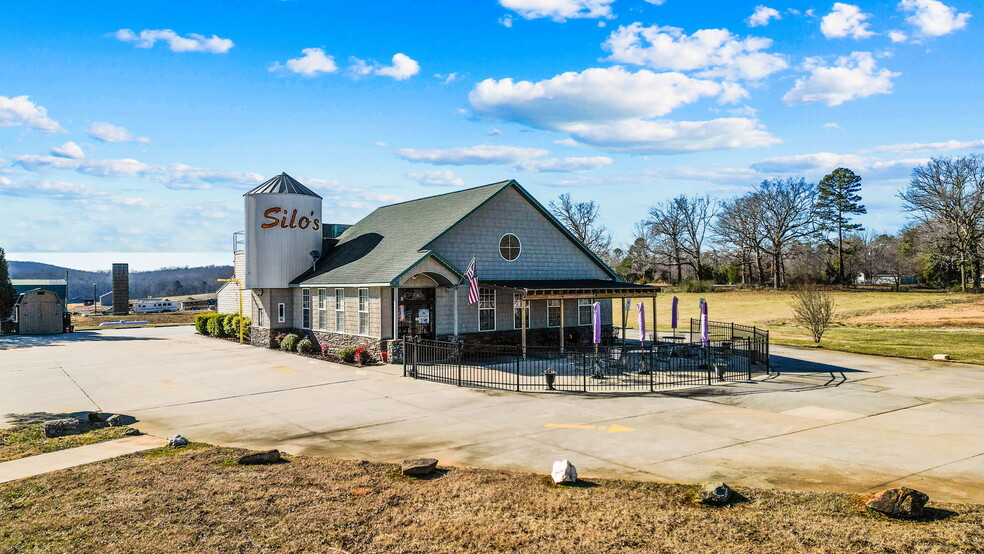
x,y
483,305
364,312
582,302
281,313
322,309
518,242
305,308
339,310
517,315
554,305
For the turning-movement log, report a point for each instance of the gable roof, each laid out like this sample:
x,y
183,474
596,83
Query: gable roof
x,y
391,240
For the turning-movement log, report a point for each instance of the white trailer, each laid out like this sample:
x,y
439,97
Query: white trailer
x,y
155,306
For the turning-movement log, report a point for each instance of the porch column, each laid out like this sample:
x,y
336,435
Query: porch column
x,y
396,313
624,316
562,302
456,310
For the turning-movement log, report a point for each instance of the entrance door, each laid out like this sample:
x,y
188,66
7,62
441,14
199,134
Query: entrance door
x,y
416,313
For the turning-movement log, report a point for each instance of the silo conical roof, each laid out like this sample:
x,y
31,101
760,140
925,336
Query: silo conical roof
x,y
282,184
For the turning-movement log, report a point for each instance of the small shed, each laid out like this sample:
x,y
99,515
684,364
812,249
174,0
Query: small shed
x,y
39,312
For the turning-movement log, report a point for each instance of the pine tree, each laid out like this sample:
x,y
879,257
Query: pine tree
x,y
7,294
838,199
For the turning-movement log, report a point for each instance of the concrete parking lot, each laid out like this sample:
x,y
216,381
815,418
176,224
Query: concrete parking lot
x,y
829,421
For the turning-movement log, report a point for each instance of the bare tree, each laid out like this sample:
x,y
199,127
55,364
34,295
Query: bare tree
x,y
581,218
787,217
665,233
813,309
739,225
696,214
949,194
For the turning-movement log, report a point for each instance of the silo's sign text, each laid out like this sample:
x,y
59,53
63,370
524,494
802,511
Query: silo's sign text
x,y
277,217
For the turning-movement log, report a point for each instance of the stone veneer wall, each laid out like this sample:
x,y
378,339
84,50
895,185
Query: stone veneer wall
x,y
573,336
260,336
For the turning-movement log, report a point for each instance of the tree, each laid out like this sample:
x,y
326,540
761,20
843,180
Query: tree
x,y
581,219
739,225
837,199
813,309
664,232
696,214
788,207
7,294
948,195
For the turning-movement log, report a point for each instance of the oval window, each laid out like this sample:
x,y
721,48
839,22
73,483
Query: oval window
x,y
509,247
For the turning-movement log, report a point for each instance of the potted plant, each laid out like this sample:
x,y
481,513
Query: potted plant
x,y
551,376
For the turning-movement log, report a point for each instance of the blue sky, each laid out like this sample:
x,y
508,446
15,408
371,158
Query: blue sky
x,y
137,126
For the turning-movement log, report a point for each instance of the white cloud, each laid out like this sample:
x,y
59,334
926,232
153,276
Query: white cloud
x,y
933,18
716,52
560,10
446,79
851,77
19,111
192,43
52,189
705,174
656,2
506,21
68,150
898,36
820,163
439,178
107,132
564,165
832,126
846,20
743,111
482,154
591,95
946,146
313,62
671,137
761,16
403,67
613,108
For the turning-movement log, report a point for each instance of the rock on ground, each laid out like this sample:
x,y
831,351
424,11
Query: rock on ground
x,y
177,440
715,494
900,502
268,457
62,427
115,420
416,467
564,472
131,432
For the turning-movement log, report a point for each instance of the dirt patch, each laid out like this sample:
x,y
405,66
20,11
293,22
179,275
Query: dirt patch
x,y
189,500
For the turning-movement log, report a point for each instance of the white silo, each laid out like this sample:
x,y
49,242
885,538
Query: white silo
x,y
283,228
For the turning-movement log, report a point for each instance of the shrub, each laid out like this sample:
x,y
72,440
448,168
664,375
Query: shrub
x,y
246,327
325,350
362,356
304,346
229,325
347,354
279,339
214,325
201,323
289,343
696,285
813,309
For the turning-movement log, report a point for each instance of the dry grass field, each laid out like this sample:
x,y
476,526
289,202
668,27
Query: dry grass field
x,y
197,499
29,440
905,324
88,321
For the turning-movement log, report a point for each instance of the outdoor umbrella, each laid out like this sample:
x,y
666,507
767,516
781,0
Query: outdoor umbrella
x,y
673,318
704,332
642,321
596,312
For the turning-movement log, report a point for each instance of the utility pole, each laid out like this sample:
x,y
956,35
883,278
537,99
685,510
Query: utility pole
x,y
95,299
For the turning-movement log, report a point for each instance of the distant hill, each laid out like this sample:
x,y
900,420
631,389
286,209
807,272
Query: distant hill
x,y
168,281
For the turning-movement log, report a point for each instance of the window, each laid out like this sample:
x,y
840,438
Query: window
x,y
584,311
486,309
553,313
509,247
339,310
518,312
323,309
281,312
305,308
363,311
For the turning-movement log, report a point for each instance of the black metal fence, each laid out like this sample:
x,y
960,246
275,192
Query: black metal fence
x,y
644,367
759,338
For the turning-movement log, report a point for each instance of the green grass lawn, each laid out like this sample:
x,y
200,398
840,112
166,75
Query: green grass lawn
x,y
29,440
908,324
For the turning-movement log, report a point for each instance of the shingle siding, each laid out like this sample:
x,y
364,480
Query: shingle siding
x,y
547,252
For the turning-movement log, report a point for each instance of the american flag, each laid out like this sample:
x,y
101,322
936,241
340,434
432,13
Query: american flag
x,y
472,279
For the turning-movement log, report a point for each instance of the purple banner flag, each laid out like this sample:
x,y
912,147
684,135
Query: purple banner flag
x,y
673,317
704,331
642,321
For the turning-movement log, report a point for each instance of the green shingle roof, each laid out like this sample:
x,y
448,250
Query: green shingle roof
x,y
391,240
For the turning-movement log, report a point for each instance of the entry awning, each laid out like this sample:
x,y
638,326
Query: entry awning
x,y
553,289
